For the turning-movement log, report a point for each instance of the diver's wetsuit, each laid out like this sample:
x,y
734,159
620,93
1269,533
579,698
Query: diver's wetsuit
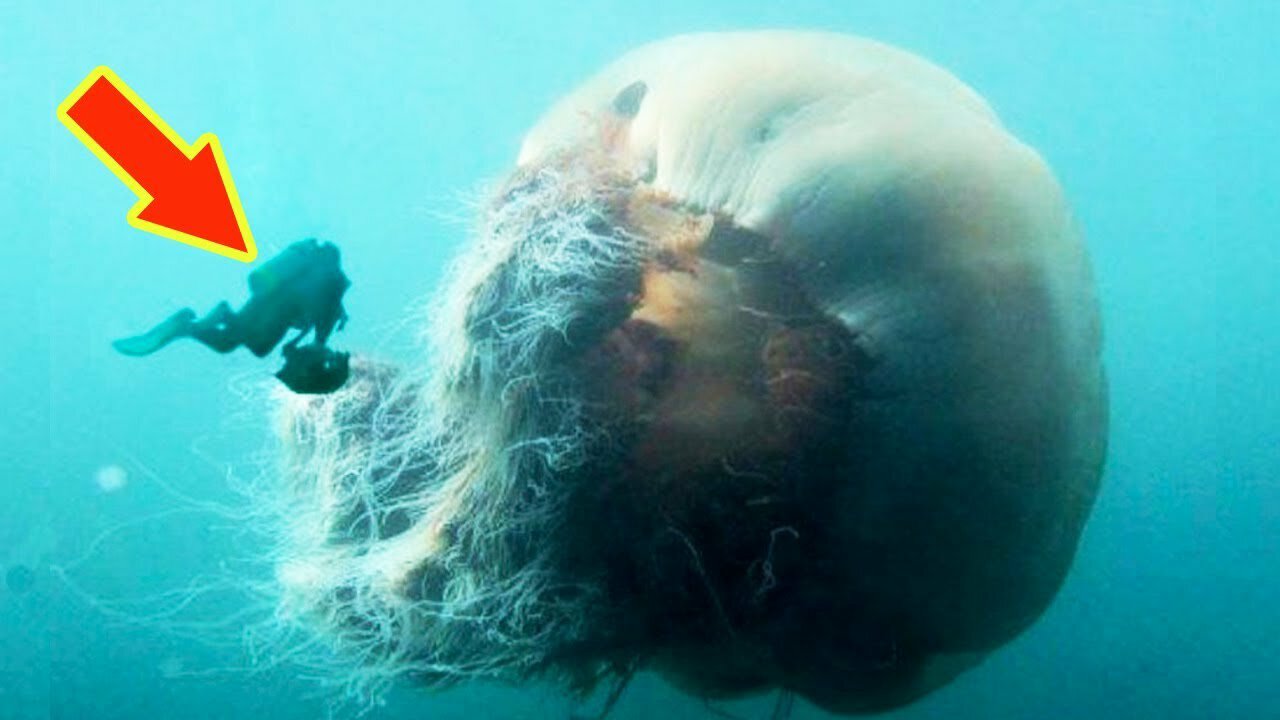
x,y
299,289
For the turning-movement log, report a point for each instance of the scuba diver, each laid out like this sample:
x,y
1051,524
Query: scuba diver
x,y
299,289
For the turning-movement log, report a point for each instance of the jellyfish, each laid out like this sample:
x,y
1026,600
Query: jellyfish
x,y
773,364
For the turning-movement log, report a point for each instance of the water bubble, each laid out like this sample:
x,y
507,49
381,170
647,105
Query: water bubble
x,y
111,478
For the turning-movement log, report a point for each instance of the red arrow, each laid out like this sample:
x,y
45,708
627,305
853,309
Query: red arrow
x,y
185,192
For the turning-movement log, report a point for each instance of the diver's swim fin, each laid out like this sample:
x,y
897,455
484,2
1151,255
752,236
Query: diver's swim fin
x,y
177,325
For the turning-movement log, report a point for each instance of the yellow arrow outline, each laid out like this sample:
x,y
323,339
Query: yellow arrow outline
x,y
145,198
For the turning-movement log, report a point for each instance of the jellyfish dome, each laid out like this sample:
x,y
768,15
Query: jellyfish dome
x,y
774,363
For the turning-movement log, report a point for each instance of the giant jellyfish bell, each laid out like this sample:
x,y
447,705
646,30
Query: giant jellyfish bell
x,y
774,363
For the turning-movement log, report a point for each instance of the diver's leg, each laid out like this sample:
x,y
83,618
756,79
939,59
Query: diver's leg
x,y
218,329
177,325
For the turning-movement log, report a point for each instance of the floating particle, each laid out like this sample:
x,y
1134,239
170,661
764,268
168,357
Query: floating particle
x,y
111,478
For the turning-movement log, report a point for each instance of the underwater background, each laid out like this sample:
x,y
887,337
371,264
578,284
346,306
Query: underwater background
x,y
376,125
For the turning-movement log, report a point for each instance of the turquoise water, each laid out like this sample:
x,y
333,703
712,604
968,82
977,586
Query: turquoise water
x,y
372,124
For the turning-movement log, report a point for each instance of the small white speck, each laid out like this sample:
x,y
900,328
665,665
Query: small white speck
x,y
111,478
